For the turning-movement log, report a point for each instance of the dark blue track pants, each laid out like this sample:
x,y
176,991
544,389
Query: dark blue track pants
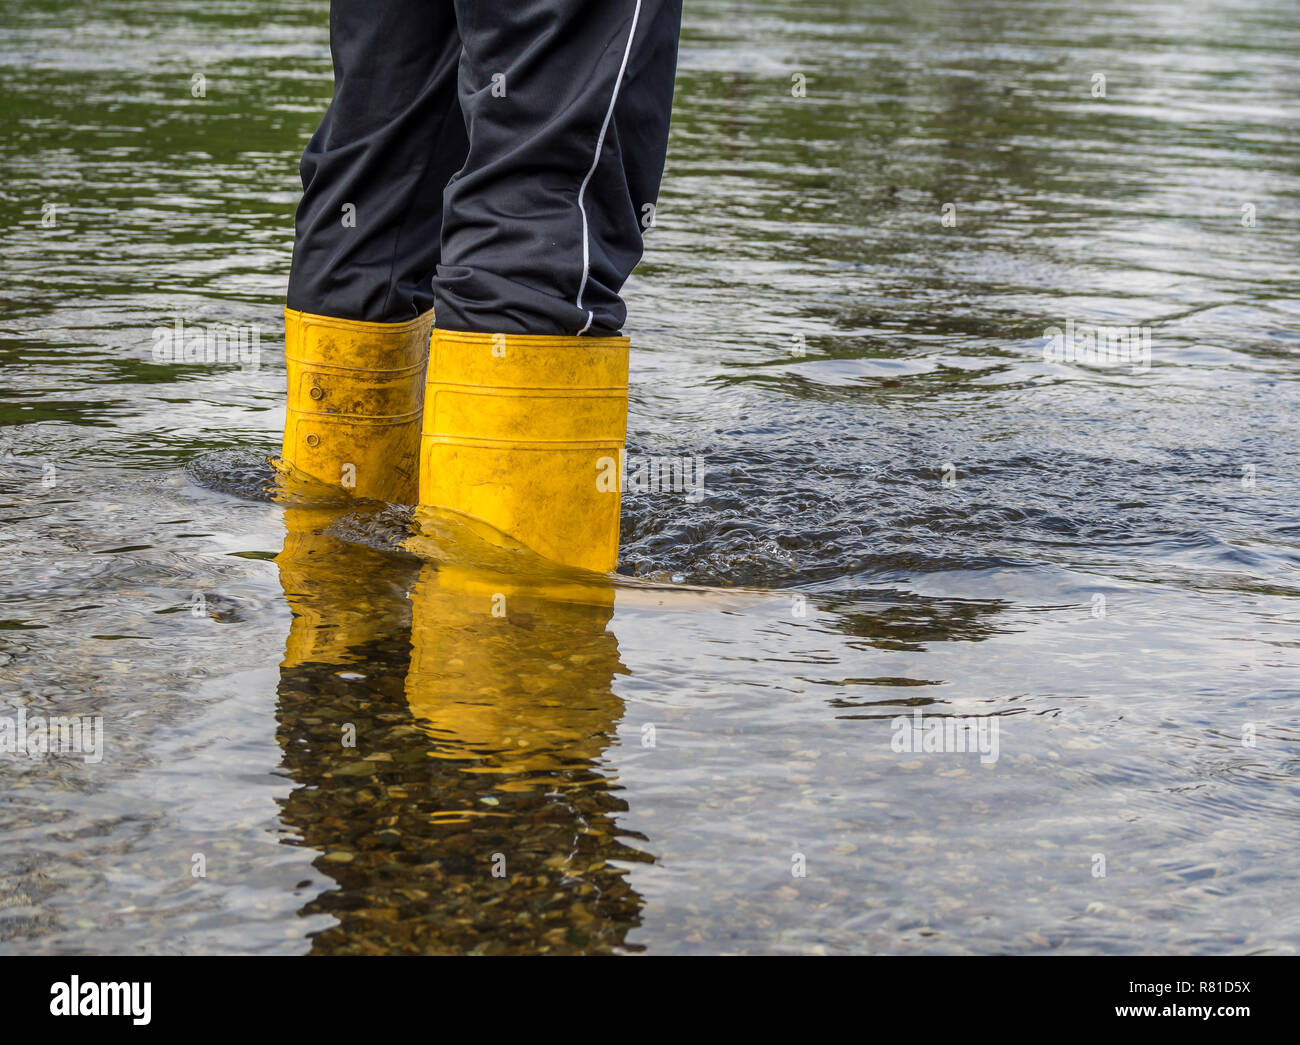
x,y
496,159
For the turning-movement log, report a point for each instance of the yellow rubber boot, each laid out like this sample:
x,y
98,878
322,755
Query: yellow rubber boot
x,y
355,398
524,433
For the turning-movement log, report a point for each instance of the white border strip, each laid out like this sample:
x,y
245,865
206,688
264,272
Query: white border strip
x,y
600,145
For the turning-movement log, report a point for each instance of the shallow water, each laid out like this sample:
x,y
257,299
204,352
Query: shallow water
x,y
907,507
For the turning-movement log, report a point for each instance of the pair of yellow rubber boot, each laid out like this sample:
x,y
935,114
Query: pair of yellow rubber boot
x,y
520,432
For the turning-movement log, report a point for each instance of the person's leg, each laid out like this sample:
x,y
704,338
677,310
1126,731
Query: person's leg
x,y
567,104
368,241
369,225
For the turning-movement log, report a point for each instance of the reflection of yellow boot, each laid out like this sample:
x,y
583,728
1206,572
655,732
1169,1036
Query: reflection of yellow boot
x,y
524,433
355,394
512,683
342,595
513,679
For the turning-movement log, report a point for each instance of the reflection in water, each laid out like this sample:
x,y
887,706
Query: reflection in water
x,y
473,813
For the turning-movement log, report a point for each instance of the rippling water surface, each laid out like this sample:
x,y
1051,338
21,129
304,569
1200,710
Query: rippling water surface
x,y
909,507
